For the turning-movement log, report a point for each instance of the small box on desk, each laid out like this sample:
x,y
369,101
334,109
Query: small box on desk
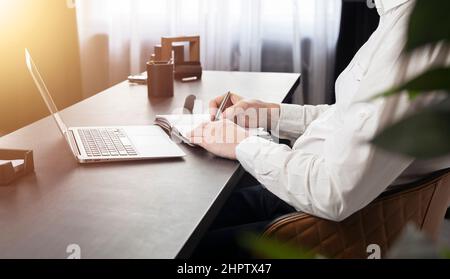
x,y
8,171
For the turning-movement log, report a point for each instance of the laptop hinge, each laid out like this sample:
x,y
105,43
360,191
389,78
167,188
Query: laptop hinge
x,y
73,143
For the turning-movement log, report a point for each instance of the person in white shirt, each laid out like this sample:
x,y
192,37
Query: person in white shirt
x,y
332,170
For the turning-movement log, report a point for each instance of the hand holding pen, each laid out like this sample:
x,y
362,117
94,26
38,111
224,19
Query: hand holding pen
x,y
234,108
221,104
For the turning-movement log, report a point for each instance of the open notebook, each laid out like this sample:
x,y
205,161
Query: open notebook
x,y
179,125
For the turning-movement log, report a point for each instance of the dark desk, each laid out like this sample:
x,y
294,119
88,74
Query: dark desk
x,y
151,209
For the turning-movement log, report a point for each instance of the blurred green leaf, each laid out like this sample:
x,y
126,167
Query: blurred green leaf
x,y
413,94
273,249
424,135
446,254
429,23
437,79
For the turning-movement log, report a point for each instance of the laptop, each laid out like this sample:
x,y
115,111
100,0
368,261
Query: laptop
x,y
108,144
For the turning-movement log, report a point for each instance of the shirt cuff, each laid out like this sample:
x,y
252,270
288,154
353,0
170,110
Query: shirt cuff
x,y
289,123
249,149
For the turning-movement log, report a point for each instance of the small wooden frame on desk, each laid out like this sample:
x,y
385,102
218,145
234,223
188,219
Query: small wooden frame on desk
x,y
167,47
185,70
8,173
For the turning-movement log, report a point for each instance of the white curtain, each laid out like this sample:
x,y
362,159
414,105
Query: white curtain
x,y
117,37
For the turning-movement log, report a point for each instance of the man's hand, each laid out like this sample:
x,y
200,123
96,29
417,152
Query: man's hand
x,y
220,138
246,113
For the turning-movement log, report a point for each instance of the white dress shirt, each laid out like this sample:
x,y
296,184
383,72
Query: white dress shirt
x,y
332,171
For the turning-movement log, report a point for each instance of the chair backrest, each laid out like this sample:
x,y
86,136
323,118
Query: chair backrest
x,y
423,203
434,193
438,206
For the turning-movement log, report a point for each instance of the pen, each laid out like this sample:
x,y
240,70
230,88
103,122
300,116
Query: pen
x,y
222,106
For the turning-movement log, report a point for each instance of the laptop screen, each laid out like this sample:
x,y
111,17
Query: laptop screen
x,y
44,92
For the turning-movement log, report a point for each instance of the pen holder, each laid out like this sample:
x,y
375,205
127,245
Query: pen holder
x,y
160,79
8,173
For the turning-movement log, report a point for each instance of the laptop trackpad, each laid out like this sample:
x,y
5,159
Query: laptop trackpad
x,y
152,141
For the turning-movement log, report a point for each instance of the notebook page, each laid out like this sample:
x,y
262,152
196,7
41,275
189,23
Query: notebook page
x,y
185,123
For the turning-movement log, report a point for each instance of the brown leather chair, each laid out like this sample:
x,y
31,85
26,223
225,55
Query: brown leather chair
x,y
423,203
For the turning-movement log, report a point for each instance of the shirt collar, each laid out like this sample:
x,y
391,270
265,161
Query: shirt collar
x,y
383,6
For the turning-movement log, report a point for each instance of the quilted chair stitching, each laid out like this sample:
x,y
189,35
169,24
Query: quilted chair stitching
x,y
350,245
421,194
383,221
338,232
415,214
401,201
403,220
435,184
319,246
323,238
342,241
421,202
298,235
363,216
364,237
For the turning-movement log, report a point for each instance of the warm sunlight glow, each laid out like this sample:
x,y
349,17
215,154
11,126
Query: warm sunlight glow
x,y
28,59
6,9
48,29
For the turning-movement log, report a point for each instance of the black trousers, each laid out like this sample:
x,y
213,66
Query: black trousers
x,y
249,210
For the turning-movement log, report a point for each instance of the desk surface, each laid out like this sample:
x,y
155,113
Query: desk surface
x,y
150,209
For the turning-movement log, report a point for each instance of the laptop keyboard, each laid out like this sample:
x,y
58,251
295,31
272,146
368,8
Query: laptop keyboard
x,y
106,143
